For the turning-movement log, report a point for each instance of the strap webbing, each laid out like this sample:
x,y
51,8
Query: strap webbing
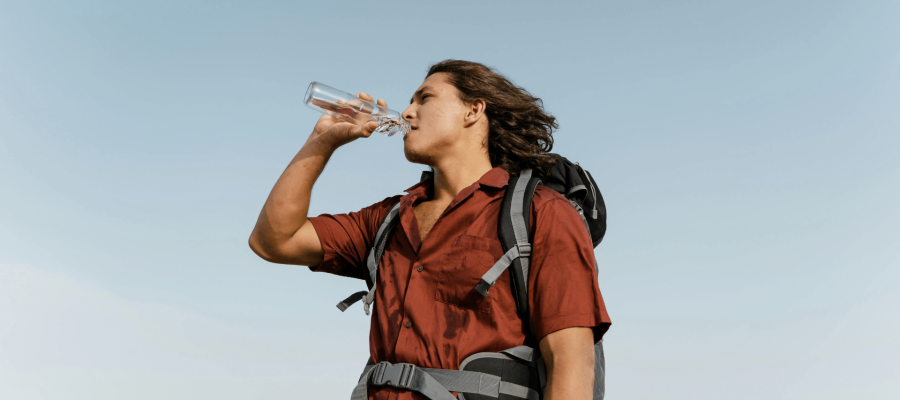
x,y
372,262
518,222
436,384
466,381
523,353
517,218
522,250
378,247
523,392
518,215
490,277
349,301
361,391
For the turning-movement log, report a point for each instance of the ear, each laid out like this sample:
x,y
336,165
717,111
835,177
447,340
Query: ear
x,y
475,112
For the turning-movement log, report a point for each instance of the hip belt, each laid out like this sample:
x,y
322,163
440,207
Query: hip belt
x,y
509,374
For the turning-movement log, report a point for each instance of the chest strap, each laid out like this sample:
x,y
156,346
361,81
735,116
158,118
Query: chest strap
x,y
436,384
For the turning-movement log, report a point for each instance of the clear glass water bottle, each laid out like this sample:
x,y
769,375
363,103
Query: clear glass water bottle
x,y
350,108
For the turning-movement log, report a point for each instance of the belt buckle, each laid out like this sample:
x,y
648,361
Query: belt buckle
x,y
395,375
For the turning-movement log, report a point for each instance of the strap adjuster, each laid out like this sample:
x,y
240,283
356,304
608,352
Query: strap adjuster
x,y
395,375
524,249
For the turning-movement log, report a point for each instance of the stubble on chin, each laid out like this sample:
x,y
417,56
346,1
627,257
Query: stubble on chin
x,y
417,157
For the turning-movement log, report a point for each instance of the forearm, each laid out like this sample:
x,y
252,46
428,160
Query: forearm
x,y
281,233
569,358
285,210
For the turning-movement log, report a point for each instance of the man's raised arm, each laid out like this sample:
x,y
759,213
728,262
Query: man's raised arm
x,y
282,234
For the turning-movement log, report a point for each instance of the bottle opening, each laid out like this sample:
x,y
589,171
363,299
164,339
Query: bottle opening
x,y
309,93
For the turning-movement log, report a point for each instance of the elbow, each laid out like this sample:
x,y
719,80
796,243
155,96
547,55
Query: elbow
x,y
279,252
268,252
260,249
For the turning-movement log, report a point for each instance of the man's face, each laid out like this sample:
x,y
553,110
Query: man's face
x,y
436,115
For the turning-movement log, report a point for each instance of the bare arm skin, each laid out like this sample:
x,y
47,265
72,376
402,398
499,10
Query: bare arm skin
x,y
282,234
569,357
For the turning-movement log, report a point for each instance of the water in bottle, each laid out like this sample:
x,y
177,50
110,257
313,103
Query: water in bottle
x,y
350,108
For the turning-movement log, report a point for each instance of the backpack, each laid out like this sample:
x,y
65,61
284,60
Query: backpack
x,y
511,374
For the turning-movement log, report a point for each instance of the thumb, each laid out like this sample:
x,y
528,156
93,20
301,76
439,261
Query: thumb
x,y
357,131
370,127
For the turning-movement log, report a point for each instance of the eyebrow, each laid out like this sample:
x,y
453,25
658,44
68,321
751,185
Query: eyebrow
x,y
418,93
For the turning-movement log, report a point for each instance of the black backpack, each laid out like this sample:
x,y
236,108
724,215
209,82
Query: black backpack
x,y
515,373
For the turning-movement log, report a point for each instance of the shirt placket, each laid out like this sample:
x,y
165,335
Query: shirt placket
x,y
416,299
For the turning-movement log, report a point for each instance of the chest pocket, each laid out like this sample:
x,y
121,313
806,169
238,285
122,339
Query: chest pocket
x,y
469,258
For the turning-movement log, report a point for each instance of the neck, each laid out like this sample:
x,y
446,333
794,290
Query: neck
x,y
451,177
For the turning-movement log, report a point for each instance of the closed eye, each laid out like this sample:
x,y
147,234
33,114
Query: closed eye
x,y
419,93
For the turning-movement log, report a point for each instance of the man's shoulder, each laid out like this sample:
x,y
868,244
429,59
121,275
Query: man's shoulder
x,y
548,203
389,201
381,208
546,197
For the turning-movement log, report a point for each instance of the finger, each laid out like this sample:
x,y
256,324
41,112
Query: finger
x,y
369,128
382,103
364,96
365,130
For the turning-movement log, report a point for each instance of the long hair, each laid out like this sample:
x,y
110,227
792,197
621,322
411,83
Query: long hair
x,y
520,131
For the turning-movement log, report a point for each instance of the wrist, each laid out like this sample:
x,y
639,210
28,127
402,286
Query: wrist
x,y
320,145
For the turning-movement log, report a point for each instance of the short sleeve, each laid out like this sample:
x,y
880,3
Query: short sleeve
x,y
563,288
347,238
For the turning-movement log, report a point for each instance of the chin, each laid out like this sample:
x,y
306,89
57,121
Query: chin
x,y
416,156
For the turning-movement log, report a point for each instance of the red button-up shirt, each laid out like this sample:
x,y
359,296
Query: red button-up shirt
x,y
427,311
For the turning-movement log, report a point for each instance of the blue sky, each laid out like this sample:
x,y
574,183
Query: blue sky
x,y
747,151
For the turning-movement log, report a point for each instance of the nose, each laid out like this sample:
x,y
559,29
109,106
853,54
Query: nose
x,y
409,113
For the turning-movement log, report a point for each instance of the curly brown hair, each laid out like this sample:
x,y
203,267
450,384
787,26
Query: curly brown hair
x,y
520,131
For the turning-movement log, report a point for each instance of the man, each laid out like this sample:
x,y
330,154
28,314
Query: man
x,y
473,127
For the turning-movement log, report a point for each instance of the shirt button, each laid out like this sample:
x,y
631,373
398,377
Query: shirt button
x,y
420,268
408,324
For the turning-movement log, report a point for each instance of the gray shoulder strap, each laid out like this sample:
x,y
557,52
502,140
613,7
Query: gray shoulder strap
x,y
518,214
372,261
522,251
380,241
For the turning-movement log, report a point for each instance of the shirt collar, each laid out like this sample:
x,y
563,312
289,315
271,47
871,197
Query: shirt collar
x,y
495,178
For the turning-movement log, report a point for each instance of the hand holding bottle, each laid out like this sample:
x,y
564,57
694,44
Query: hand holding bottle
x,y
355,109
339,130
